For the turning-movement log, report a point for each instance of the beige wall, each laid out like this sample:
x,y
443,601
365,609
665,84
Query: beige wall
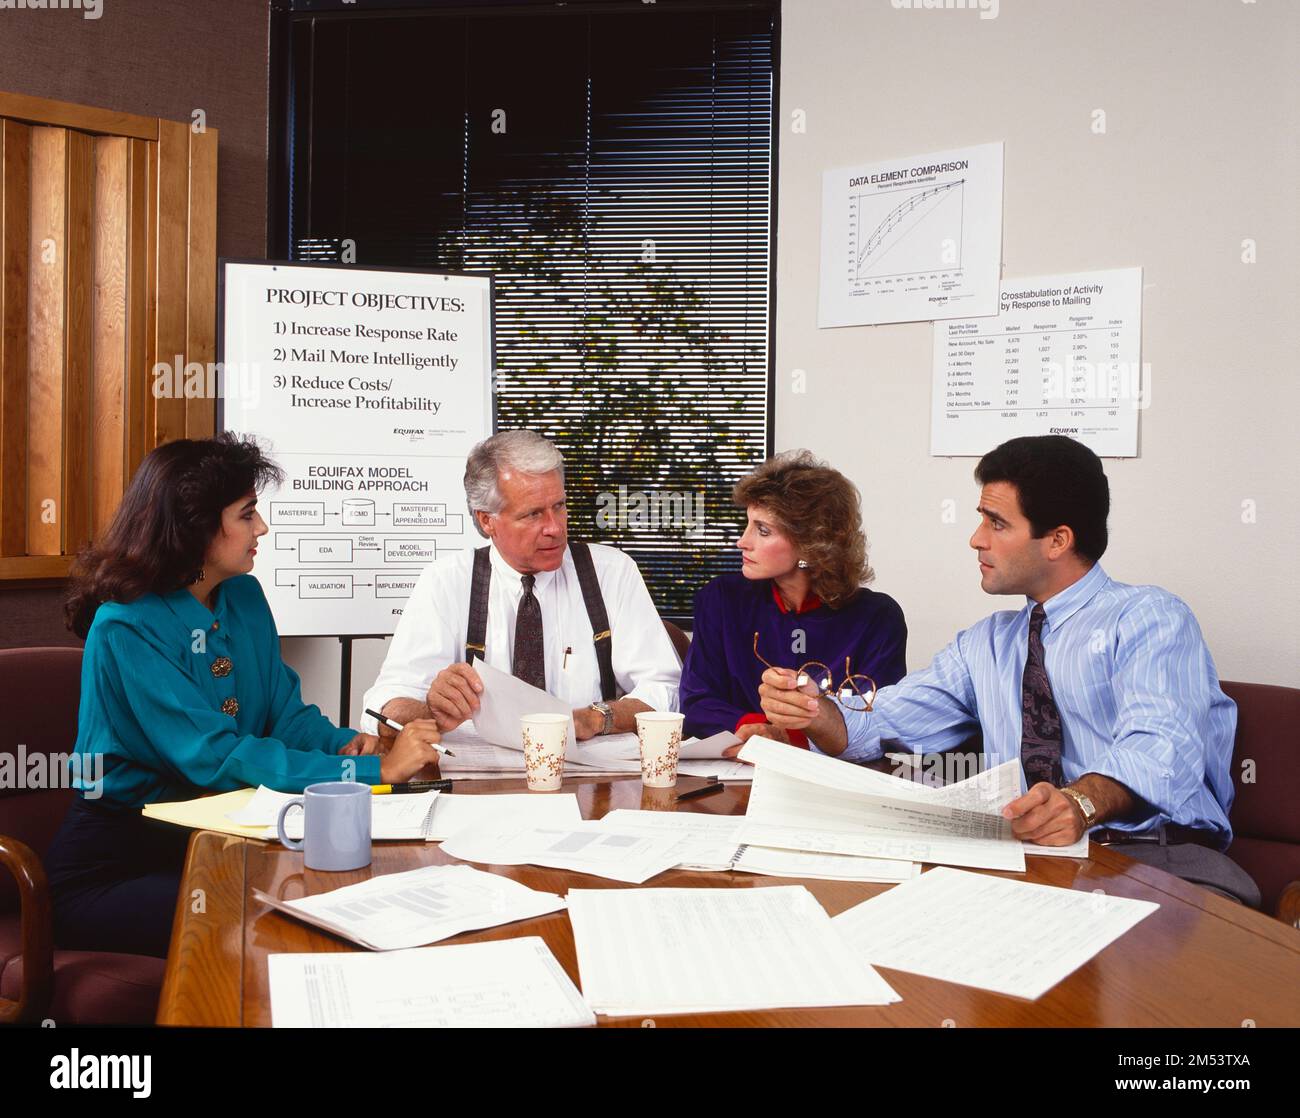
x,y
1201,101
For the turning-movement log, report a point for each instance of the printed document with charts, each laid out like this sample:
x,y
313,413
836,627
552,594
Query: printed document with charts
x,y
807,801
409,909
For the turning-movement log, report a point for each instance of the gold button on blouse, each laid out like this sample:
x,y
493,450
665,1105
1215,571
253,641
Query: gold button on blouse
x,y
230,707
221,666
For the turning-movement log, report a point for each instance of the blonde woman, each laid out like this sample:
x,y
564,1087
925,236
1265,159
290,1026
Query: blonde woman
x,y
800,591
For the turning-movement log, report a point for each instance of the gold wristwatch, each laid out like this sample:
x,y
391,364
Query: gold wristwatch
x,y
607,712
1085,805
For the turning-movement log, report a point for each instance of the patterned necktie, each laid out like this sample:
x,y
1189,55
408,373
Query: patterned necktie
x,y
1040,730
530,655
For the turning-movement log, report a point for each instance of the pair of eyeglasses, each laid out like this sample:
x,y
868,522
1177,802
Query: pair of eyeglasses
x,y
855,692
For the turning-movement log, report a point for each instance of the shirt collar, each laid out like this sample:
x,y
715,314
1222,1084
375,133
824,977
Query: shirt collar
x,y
810,603
1061,606
502,569
192,612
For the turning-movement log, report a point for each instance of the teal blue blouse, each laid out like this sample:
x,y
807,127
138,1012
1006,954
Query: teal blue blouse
x,y
179,699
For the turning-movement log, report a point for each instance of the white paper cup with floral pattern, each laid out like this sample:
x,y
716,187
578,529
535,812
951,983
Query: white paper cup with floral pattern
x,y
545,737
660,736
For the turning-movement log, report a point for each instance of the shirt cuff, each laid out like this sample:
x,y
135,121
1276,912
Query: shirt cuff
x,y
862,729
1142,775
657,696
376,699
368,768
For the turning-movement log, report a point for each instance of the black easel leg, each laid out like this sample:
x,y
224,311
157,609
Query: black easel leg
x,y
345,682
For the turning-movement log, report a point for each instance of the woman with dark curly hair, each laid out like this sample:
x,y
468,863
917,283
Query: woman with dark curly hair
x,y
801,589
183,691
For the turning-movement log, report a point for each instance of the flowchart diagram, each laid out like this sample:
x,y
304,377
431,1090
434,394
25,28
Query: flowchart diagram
x,y
403,543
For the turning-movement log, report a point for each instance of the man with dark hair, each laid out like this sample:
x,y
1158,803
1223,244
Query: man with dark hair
x,y
1105,692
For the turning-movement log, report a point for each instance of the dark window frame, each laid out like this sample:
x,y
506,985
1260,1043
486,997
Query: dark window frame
x,y
288,17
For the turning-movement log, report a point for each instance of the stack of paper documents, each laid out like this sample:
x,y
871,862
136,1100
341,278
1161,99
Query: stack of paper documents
x,y
512,983
806,801
1007,936
649,951
416,907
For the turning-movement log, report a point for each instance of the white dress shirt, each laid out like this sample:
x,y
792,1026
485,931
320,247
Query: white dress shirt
x,y
431,634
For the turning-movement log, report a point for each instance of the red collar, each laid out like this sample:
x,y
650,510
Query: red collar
x,y
809,603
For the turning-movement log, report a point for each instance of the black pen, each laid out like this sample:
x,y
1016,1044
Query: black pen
x,y
696,793
411,787
385,721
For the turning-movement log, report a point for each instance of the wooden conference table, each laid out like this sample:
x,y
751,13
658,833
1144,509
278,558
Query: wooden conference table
x,y
1199,960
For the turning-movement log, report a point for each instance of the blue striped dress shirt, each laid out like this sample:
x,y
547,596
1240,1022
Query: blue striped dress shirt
x,y
1139,698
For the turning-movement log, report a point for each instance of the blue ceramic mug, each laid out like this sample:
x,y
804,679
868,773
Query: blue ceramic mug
x,y
336,825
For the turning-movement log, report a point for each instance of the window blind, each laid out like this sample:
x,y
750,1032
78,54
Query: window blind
x,y
613,171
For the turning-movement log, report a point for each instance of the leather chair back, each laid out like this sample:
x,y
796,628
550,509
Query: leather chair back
x,y
1266,776
40,691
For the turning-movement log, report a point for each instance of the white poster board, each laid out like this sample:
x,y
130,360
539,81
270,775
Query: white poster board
x,y
912,239
1063,357
368,387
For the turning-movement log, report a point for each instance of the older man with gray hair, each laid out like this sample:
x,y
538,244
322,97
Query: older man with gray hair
x,y
573,619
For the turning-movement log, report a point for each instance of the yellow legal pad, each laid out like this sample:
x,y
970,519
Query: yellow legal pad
x,y
208,813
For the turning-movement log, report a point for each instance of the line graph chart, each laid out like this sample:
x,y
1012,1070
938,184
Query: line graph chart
x,y
905,231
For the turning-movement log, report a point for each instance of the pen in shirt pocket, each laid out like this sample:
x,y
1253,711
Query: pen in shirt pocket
x,y
564,667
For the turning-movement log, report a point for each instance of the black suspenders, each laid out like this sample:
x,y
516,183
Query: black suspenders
x,y
478,605
476,631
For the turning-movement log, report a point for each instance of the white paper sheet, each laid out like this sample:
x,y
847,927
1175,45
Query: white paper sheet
x,y
822,867
1063,354
454,812
583,847
1010,937
912,238
1077,849
706,842
707,749
732,772
511,983
804,801
660,951
505,700
416,907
